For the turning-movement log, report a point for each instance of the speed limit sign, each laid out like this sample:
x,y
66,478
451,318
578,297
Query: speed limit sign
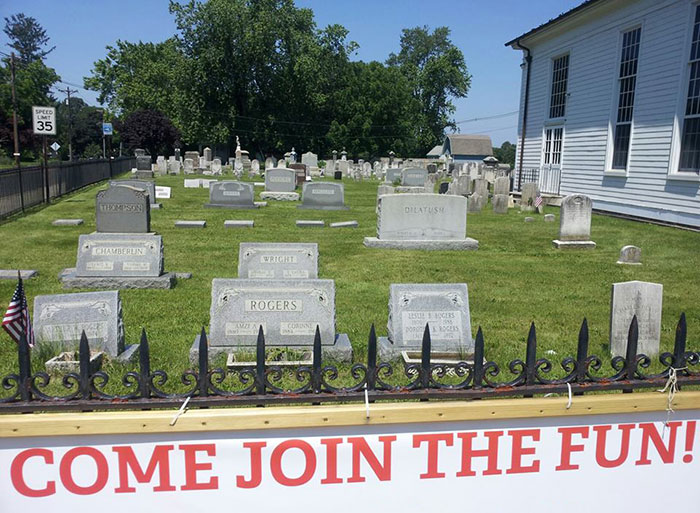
x,y
44,120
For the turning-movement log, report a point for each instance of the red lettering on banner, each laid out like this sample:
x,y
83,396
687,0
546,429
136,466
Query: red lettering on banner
x,y
66,471
433,446
192,467
17,473
601,445
360,447
649,432
331,460
689,440
491,452
518,451
255,466
160,458
567,447
309,466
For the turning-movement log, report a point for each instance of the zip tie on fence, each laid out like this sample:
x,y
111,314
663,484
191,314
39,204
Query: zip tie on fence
x,y
568,405
672,387
182,410
366,402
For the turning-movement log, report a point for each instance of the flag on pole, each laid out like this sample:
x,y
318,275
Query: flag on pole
x,y
16,320
538,200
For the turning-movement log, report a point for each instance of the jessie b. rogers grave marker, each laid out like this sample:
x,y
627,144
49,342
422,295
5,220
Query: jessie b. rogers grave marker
x,y
287,310
278,260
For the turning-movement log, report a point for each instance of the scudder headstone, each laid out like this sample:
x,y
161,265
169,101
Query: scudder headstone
x,y
60,319
123,209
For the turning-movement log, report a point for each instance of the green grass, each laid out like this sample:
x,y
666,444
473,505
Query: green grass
x,y
515,277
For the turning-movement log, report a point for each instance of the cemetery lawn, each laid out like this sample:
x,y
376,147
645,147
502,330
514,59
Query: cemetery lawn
x,y
515,278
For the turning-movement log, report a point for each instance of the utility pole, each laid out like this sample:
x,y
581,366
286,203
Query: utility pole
x,y
14,108
68,92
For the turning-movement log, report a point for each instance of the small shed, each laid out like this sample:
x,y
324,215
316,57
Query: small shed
x,y
467,147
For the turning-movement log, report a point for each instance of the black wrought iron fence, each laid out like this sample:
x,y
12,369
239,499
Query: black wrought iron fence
x,y
548,179
30,186
261,384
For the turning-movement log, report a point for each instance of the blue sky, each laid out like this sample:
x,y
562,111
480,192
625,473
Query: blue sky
x,y
81,29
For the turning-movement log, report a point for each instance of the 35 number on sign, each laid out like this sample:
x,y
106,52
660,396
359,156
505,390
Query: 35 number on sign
x,y
44,119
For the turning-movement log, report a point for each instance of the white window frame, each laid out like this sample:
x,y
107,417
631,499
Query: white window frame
x,y
677,129
545,153
615,102
567,95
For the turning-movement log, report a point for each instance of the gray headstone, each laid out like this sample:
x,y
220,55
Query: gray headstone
x,y
67,222
414,177
190,224
123,209
138,152
422,217
174,167
194,157
282,261
481,187
529,192
143,163
270,163
500,204
239,223
61,318
280,180
345,224
289,312
476,202
631,255
145,185
192,183
116,254
644,300
310,159
444,307
301,223
393,175
529,219
231,194
549,218
216,166
323,196
461,185
575,218
207,154
11,274
501,185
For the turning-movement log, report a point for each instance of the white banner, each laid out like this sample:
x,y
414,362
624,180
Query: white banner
x,y
587,463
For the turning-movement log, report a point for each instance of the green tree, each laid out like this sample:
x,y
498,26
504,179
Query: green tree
x,y
505,154
148,129
87,126
438,73
33,81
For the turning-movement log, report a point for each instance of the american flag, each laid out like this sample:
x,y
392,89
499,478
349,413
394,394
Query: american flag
x,y
16,320
538,201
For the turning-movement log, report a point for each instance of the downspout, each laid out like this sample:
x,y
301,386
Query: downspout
x,y
528,60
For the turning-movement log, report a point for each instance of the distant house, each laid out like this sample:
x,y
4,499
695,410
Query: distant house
x,y
610,106
467,147
435,152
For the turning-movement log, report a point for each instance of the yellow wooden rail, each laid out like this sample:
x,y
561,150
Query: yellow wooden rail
x,y
228,419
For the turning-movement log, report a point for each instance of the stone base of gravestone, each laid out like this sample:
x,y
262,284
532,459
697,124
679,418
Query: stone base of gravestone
x,y
280,196
323,207
340,351
11,274
71,281
141,175
467,244
256,204
573,244
389,352
500,204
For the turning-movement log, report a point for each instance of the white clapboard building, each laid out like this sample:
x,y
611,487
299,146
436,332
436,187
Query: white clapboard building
x,y
610,107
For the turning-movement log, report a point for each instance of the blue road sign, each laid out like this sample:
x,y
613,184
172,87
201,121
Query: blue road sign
x,y
107,129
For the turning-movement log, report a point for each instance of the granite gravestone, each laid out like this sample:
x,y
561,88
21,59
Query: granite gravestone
x,y
174,167
146,185
630,255
280,180
60,319
230,194
189,166
123,209
528,195
575,223
309,159
500,204
422,221
282,261
444,307
323,196
501,186
414,177
287,310
393,175
644,300
143,163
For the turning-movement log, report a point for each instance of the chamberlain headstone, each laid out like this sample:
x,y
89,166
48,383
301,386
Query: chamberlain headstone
x,y
575,223
288,313
281,261
60,319
323,196
231,194
422,221
443,307
119,255
123,209
644,300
